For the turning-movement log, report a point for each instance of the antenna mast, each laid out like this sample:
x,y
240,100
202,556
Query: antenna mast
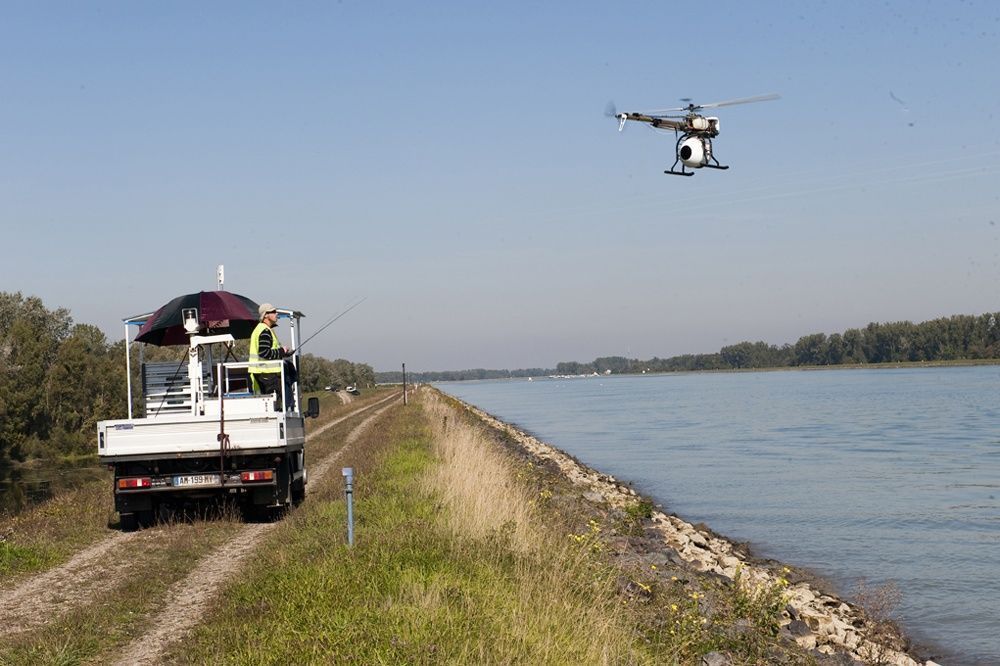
x,y
220,273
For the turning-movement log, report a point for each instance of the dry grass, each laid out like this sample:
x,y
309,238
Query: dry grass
x,y
880,633
476,483
559,578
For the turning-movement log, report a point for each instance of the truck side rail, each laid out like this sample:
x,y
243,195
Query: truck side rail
x,y
236,380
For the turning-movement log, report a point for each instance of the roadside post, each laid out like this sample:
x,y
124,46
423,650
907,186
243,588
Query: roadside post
x,y
349,492
404,384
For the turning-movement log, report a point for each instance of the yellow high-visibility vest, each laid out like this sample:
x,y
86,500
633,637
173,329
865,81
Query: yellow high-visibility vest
x,y
256,367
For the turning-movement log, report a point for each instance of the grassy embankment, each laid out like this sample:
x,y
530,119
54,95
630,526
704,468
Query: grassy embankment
x,y
133,579
468,552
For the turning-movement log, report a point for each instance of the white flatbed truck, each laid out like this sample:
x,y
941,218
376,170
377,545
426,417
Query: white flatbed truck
x,y
205,435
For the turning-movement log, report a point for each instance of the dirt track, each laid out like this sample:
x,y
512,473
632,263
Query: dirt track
x,y
54,593
65,587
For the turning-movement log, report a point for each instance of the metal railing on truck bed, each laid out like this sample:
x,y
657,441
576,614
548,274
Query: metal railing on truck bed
x,y
166,387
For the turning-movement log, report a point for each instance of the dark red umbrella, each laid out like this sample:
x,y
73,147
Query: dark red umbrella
x,y
218,312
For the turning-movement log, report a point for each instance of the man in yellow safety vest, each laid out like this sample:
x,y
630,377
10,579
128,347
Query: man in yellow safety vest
x,y
264,346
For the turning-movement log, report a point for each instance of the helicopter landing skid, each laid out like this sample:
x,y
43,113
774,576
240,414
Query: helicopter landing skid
x,y
716,165
682,172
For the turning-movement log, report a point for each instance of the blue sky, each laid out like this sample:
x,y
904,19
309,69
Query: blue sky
x,y
453,164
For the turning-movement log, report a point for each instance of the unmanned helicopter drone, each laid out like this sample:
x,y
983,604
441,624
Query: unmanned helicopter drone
x,y
694,131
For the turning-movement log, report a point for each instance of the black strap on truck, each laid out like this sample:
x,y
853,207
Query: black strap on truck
x,y
222,436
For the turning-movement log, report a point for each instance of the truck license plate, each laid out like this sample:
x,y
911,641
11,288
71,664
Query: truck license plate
x,y
197,480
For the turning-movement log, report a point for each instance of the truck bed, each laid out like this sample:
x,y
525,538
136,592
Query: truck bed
x,y
251,424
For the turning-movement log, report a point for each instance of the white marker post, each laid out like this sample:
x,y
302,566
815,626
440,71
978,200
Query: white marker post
x,y
349,492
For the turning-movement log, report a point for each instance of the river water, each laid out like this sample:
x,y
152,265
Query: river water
x,y
24,485
886,474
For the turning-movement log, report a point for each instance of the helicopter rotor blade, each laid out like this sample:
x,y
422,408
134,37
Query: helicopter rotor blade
x,y
660,112
675,109
742,100
692,107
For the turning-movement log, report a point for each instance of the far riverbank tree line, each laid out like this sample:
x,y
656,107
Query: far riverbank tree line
x,y
59,378
956,338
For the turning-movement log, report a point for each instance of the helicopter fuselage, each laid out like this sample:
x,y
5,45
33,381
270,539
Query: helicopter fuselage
x,y
694,131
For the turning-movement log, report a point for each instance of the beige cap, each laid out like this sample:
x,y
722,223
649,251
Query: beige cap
x,y
264,308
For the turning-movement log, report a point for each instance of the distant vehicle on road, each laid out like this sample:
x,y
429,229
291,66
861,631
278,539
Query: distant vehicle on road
x,y
352,389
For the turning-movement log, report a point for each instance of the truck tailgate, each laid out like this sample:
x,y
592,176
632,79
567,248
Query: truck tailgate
x,y
179,435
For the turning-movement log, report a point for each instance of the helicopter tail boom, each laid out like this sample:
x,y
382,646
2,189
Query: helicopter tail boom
x,y
676,124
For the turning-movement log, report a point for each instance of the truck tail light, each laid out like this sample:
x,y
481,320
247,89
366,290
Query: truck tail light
x,y
137,482
263,475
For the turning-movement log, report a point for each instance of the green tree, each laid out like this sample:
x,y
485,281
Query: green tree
x,y
835,350
740,355
29,338
84,384
573,368
616,364
364,375
811,350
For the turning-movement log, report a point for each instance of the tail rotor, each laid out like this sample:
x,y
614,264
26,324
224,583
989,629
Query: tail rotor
x,y
611,112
